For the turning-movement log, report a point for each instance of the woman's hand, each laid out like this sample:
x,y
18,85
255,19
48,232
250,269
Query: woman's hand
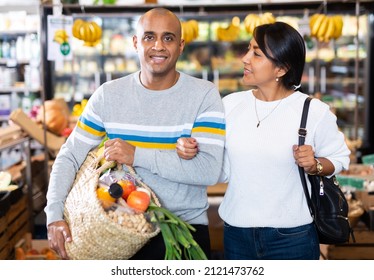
x,y
304,157
187,148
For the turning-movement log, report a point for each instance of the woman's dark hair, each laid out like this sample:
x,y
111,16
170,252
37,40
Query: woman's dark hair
x,y
283,45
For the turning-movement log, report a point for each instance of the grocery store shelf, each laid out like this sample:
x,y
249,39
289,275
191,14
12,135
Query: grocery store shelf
x,y
19,89
30,6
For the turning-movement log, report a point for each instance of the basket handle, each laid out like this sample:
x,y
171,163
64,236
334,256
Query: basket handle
x,y
109,164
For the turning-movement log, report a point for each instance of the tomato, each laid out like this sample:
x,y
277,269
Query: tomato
x,y
128,187
138,200
66,131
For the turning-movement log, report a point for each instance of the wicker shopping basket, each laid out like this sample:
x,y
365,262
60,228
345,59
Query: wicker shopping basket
x,y
94,234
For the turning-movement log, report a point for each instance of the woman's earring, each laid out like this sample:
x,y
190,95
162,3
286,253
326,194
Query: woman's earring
x,y
277,79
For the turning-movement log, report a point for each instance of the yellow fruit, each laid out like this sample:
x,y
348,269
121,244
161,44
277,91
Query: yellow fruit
x,y
104,196
338,22
84,103
322,27
230,33
195,27
85,32
76,27
250,22
235,21
329,30
190,30
312,21
100,153
267,18
316,25
98,32
77,110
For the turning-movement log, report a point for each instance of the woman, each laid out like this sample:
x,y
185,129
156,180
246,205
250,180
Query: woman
x,y
264,208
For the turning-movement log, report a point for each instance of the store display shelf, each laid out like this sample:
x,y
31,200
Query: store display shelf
x,y
19,89
10,62
13,33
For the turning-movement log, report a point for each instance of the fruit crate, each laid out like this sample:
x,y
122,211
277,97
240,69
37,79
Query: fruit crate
x,y
33,249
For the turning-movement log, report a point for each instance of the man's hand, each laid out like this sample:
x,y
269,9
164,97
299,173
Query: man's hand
x,y
58,234
119,151
187,148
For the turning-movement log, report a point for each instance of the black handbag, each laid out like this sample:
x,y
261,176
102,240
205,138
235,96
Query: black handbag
x,y
327,203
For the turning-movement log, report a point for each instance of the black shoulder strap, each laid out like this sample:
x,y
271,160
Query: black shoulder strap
x,y
302,129
302,135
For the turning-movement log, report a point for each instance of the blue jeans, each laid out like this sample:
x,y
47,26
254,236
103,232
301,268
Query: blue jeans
x,y
298,243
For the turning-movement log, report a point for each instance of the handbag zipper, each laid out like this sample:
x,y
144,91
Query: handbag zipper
x,y
342,217
321,190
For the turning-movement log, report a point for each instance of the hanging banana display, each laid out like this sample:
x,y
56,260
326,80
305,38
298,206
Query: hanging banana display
x,y
230,33
325,27
251,21
88,31
190,30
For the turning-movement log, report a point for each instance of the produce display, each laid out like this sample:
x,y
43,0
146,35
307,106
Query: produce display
x,y
326,27
251,21
55,115
88,31
130,204
5,179
33,254
6,182
190,30
231,32
78,108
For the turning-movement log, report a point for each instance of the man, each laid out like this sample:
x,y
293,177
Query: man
x,y
144,114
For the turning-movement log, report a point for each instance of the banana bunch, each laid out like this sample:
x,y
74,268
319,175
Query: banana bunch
x,y
88,31
325,28
78,108
230,33
251,21
60,36
190,30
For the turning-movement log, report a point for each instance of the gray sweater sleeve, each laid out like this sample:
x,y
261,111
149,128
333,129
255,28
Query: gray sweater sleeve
x,y
65,167
204,168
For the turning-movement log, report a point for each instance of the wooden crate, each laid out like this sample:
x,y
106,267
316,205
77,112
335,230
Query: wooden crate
x,y
4,248
13,227
363,249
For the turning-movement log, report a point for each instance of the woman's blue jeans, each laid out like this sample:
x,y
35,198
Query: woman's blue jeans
x,y
298,243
